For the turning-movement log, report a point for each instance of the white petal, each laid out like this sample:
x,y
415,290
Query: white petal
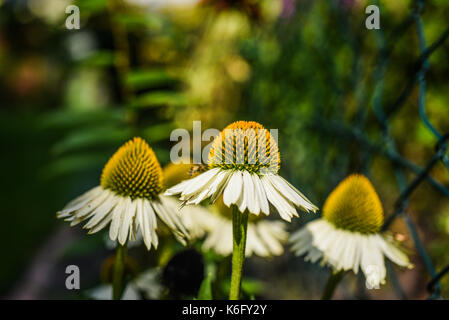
x,y
285,209
171,219
372,262
146,218
101,212
179,188
261,196
222,186
117,219
249,193
92,205
392,252
103,223
80,201
234,188
272,234
291,193
199,182
128,216
255,244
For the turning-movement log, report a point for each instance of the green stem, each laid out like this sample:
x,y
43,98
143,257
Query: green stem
x,y
118,280
239,228
331,284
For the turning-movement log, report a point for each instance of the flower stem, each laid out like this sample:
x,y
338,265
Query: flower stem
x,y
239,228
331,284
118,280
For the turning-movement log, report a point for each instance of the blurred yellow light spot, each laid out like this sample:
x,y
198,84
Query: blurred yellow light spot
x,y
238,69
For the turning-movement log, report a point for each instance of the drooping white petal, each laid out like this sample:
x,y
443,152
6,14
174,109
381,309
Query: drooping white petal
x,y
392,252
103,223
347,250
272,234
79,202
216,183
372,262
101,212
249,193
198,183
171,219
128,216
234,188
179,188
291,193
117,214
146,220
221,187
91,206
284,208
254,243
152,221
261,195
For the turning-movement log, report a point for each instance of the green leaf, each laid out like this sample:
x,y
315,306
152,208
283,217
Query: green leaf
x,y
158,132
101,136
74,163
150,22
144,79
159,98
103,58
75,119
205,292
91,6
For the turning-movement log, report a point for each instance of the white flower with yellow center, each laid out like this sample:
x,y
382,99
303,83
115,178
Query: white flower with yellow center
x,y
348,236
128,198
243,164
214,223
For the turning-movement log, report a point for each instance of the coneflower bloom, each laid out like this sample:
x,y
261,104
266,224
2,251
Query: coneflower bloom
x,y
348,236
243,164
214,223
128,198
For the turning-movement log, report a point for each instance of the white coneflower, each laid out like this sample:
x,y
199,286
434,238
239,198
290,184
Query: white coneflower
x,y
128,199
348,236
243,164
214,223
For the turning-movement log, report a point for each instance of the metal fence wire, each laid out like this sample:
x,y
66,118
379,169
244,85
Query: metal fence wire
x,y
385,113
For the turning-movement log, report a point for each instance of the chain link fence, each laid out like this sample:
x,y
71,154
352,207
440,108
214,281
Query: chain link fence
x,y
385,114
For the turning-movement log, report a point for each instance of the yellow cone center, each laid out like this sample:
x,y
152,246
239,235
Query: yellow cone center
x,y
245,145
355,206
133,171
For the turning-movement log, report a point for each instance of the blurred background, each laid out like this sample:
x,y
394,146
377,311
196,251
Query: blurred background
x,y
344,98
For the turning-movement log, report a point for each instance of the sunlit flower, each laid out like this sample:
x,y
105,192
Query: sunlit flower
x,y
243,164
348,236
214,222
128,198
